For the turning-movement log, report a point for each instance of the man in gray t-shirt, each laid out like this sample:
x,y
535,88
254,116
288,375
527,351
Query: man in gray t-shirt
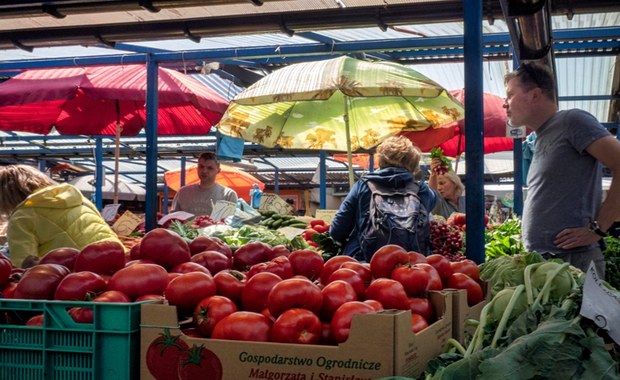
x,y
199,198
563,216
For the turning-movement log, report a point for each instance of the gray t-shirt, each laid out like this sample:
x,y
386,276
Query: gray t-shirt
x,y
564,181
197,201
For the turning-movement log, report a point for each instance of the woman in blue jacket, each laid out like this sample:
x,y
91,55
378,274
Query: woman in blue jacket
x,y
398,160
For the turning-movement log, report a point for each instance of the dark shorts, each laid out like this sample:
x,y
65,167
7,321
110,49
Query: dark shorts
x,y
582,259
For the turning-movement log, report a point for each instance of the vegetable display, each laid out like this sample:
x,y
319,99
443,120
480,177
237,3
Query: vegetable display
x,y
530,329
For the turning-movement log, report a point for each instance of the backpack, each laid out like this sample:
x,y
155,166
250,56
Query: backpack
x,y
396,216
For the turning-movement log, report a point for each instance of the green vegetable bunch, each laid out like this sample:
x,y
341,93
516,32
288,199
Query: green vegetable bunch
x,y
504,239
531,330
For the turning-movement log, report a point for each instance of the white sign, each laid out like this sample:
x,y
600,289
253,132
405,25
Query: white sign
x,y
127,223
601,304
223,209
109,212
180,215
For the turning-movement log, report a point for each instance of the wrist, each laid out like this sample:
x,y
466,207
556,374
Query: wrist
x,y
594,227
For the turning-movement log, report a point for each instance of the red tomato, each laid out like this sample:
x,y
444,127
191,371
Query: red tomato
x,y
199,363
297,325
150,297
442,264
112,296
249,254
163,355
466,266
386,258
335,294
214,261
189,267
307,263
85,314
350,276
277,251
210,311
294,292
320,229
134,252
9,290
164,247
280,266
317,222
64,256
40,281
230,284
418,323
434,281
187,290
208,243
79,286
140,279
416,257
6,267
389,292
414,279
102,257
332,264
256,289
363,269
375,304
243,325
343,317
422,306
37,320
463,281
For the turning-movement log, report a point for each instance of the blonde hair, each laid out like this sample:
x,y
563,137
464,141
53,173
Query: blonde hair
x,y
17,182
456,180
399,152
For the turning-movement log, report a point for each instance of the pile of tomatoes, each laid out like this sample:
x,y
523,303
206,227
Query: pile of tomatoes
x,y
257,293
316,226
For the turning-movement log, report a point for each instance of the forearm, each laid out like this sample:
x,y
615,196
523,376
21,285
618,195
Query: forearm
x,y
610,209
432,181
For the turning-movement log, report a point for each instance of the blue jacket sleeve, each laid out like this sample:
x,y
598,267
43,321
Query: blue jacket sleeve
x,y
345,219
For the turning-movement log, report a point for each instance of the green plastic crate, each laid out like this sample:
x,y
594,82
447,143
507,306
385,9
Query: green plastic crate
x,y
108,348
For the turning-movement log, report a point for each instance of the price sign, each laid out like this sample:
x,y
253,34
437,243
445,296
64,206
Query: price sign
x,y
109,212
126,224
326,215
601,304
223,209
272,202
290,232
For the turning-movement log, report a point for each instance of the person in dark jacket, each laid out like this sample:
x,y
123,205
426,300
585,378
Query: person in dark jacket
x,y
398,160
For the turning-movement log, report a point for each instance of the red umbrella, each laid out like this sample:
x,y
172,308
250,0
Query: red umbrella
x,y
494,118
106,100
451,138
94,100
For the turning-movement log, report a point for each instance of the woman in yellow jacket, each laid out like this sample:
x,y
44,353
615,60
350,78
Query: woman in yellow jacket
x,y
43,214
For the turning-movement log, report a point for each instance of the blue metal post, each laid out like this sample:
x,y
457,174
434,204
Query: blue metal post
x,y
517,155
151,144
276,181
323,180
99,173
474,152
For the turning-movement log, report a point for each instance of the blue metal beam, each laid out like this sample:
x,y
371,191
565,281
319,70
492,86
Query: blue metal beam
x,y
606,39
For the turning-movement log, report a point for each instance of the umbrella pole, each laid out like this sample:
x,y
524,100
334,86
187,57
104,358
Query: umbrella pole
x,y
116,158
348,136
